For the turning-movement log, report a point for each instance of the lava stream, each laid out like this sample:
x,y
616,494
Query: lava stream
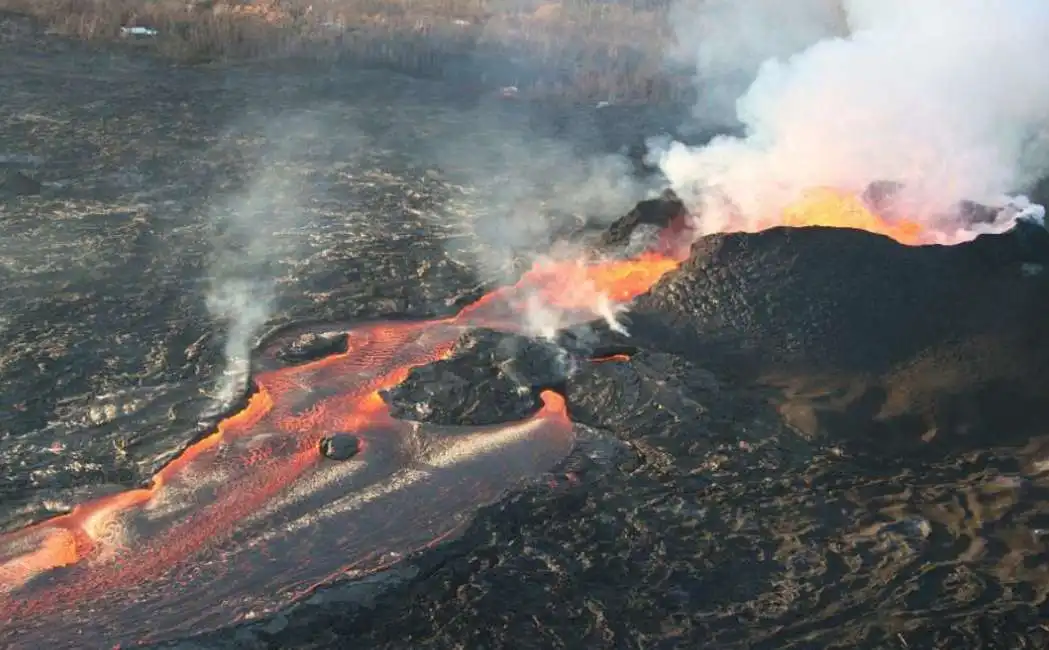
x,y
169,559
253,516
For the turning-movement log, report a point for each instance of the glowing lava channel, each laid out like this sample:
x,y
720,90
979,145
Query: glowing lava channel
x,y
252,516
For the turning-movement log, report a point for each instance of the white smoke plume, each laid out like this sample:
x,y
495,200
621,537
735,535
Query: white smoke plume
x,y
257,236
724,43
524,192
243,305
946,97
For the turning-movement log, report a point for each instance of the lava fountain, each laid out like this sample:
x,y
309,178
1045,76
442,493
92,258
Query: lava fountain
x,y
254,516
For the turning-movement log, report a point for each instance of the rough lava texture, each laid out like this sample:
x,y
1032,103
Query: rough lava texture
x,y
492,378
886,342
821,439
649,215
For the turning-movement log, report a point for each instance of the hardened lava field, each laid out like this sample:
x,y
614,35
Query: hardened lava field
x,y
812,437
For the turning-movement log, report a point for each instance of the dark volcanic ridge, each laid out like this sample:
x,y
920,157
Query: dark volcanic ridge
x,y
889,342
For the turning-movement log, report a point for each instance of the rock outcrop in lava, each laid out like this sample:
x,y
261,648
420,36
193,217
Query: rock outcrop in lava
x,y
657,214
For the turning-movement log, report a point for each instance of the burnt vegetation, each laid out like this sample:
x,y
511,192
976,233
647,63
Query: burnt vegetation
x,y
579,50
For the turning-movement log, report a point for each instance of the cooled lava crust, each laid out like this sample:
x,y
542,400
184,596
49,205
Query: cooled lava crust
x,y
813,438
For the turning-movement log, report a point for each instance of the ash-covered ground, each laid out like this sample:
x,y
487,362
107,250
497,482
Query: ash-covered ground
x,y
820,439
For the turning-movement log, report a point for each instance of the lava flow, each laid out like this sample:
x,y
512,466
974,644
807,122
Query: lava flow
x,y
254,516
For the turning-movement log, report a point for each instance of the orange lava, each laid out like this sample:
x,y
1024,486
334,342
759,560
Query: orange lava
x,y
158,545
612,358
832,208
578,287
156,561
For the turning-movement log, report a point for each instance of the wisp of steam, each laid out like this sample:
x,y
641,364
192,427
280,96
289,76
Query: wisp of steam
x,y
256,227
524,189
244,306
945,98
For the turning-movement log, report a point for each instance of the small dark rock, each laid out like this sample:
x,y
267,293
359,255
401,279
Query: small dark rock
x,y
340,446
15,183
658,213
974,213
311,346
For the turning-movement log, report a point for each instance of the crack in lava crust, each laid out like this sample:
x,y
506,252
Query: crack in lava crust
x,y
252,517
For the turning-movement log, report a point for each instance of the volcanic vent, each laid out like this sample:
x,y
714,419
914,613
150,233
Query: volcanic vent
x,y
863,332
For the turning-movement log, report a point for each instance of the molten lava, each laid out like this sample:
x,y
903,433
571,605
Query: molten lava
x,y
253,516
829,207
611,358
213,539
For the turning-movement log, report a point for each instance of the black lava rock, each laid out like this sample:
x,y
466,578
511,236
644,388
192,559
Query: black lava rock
x,y
658,213
310,347
887,341
831,298
340,446
491,378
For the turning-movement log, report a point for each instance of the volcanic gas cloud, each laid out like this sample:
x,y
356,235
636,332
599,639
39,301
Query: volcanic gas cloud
x,y
943,100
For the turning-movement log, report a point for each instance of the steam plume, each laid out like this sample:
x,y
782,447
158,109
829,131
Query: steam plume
x,y
725,42
244,305
257,237
945,97
525,192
